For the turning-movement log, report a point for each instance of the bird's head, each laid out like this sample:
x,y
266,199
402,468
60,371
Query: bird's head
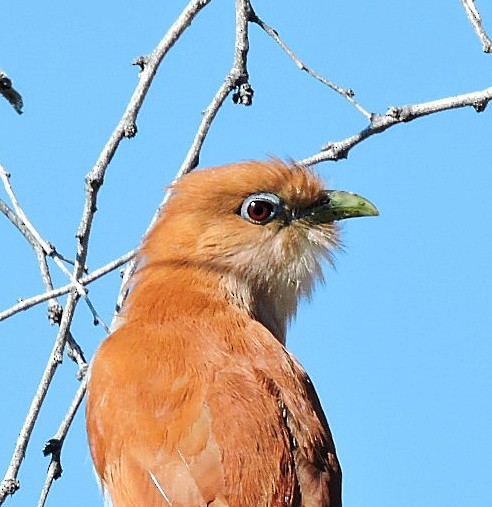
x,y
262,227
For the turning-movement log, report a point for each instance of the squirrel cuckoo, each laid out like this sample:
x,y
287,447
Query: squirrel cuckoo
x,y
194,400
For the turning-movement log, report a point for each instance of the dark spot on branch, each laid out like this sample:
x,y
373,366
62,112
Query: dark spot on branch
x,y
393,112
93,181
82,371
141,61
243,94
374,117
10,486
402,114
54,447
480,105
131,130
55,313
74,352
337,150
327,146
194,163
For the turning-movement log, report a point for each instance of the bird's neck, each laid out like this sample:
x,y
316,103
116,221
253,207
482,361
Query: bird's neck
x,y
273,309
162,292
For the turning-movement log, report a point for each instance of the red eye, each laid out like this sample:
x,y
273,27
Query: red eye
x,y
260,208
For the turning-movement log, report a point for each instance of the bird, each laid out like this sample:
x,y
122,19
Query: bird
x,y
194,399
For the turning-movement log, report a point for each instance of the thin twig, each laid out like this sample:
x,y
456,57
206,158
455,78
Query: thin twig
x,y
476,21
25,304
24,225
10,483
347,93
54,308
395,115
237,78
17,222
55,444
5,177
55,312
76,354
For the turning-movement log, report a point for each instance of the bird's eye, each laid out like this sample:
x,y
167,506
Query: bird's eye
x,y
259,211
260,208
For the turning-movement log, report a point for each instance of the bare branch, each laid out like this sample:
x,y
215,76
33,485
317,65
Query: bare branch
x,y
54,308
5,177
10,483
476,21
127,125
54,445
344,92
41,246
18,223
55,312
86,280
395,115
236,79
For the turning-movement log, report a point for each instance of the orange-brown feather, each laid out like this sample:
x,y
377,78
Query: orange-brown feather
x,y
194,400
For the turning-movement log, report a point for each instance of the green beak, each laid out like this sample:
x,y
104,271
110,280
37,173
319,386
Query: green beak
x,y
341,205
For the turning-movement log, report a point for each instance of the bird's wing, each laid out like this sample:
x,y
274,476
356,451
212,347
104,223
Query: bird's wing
x,y
149,425
249,427
316,463
276,447
224,429
284,452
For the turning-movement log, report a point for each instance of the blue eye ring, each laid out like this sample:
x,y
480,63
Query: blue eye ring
x,y
260,208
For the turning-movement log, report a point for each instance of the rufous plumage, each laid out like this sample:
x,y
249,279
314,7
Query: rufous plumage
x,y
194,399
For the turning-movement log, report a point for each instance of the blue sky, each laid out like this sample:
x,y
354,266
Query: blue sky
x,y
398,339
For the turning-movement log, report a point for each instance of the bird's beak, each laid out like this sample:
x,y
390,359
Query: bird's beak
x,y
340,205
